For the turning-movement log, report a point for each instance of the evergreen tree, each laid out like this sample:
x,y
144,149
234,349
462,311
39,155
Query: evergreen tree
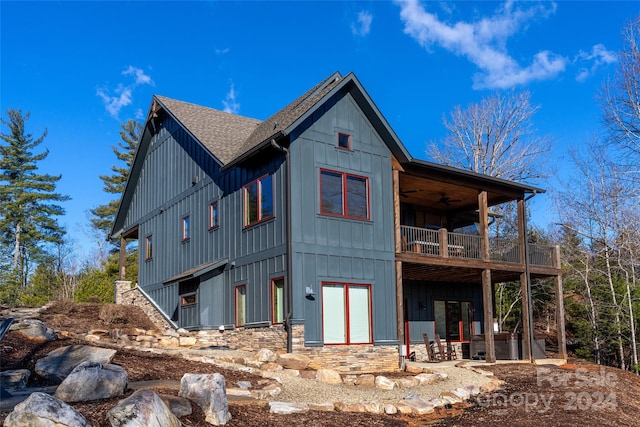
x,y
104,215
29,203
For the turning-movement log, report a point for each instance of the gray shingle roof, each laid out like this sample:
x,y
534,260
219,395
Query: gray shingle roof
x,y
229,136
221,133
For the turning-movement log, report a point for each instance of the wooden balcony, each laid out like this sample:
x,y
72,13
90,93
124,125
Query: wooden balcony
x,y
444,244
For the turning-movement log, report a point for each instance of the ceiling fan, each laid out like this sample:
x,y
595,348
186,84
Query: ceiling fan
x,y
446,200
405,193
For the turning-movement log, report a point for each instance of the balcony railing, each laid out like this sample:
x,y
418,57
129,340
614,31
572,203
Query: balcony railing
x,y
445,244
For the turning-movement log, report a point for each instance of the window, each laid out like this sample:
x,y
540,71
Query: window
x,y
214,215
277,300
344,141
258,199
148,247
189,299
346,313
344,194
454,319
240,305
186,228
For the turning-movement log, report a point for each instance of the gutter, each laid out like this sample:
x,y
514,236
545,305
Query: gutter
x,y
288,282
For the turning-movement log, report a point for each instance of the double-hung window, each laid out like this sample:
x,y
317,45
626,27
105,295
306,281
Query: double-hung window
x,y
346,313
344,194
277,300
258,200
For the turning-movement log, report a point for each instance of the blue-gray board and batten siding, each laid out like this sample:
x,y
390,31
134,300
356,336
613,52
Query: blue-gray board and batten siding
x,y
180,178
335,249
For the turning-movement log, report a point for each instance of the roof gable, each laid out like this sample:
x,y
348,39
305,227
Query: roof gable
x,y
220,132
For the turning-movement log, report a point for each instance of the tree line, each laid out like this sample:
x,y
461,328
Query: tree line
x,y
597,209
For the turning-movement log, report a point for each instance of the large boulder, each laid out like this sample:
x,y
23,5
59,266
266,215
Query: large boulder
x,y
60,362
34,330
328,376
294,361
265,355
209,392
144,408
42,410
92,381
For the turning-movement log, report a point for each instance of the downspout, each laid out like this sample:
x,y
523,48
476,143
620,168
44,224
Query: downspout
x,y
288,282
528,273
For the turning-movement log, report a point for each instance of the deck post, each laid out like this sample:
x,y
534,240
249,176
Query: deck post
x,y
557,281
123,258
444,244
487,302
396,209
524,285
400,308
484,225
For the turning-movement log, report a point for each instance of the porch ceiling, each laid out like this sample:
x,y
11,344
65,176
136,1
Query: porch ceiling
x,y
450,274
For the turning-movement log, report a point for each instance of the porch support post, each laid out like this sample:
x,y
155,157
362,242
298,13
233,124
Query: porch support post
x,y
557,281
398,247
484,225
123,258
487,302
444,244
524,285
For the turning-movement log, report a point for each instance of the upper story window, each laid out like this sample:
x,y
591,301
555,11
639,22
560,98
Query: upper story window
x,y
214,215
344,141
344,194
148,247
258,200
186,228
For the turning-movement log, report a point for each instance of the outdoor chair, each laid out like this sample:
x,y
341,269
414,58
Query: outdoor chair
x,y
433,354
448,353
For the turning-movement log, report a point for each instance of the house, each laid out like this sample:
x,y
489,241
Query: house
x,y
316,232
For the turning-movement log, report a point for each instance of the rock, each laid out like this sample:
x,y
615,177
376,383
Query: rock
x,y
245,385
183,332
238,392
187,341
60,362
179,406
42,410
349,379
272,367
384,383
265,355
34,330
272,390
328,376
92,338
15,379
349,407
307,374
473,389
171,333
374,407
412,395
442,375
419,406
92,381
294,361
291,372
407,382
168,342
99,332
449,397
209,392
286,408
144,408
390,409
426,379
403,408
254,364
462,393
366,381
324,407
413,369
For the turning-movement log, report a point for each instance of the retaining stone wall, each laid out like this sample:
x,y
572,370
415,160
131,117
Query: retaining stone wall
x,y
127,292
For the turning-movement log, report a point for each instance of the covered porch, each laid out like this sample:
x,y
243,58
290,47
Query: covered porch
x,y
448,259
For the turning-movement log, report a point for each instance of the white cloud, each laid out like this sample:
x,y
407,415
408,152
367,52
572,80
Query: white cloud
x,y
590,62
122,96
362,26
222,51
230,103
483,42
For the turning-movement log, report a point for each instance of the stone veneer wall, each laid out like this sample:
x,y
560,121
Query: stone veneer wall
x,y
127,292
360,358
421,351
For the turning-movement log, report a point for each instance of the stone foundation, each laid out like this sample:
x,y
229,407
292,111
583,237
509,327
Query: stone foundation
x,y
361,358
420,351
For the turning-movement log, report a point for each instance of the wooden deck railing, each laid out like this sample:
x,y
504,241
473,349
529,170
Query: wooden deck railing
x,y
457,245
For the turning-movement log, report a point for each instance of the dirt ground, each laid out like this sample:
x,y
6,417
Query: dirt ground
x,y
578,393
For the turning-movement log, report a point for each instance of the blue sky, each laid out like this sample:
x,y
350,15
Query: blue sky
x,y
82,68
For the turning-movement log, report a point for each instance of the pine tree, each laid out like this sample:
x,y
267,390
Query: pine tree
x,y
104,215
29,203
